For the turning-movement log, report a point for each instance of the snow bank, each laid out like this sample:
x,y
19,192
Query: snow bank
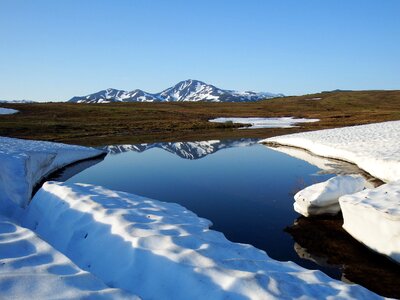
x,y
161,250
23,163
323,197
7,111
326,165
285,122
372,217
31,269
374,148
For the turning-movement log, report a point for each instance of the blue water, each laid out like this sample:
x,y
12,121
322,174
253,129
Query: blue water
x,y
247,192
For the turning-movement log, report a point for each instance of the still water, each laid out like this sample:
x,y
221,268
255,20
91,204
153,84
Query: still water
x,y
244,188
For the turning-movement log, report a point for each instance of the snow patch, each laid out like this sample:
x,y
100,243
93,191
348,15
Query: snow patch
x,y
285,122
323,197
161,250
372,217
374,148
24,163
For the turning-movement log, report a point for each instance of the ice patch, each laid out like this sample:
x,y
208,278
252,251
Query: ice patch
x,y
374,148
7,111
285,122
161,250
372,217
323,197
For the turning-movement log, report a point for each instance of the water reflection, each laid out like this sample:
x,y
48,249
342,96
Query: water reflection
x,y
187,150
327,165
69,171
323,241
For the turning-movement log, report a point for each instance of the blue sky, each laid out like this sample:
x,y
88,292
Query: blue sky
x,y
53,50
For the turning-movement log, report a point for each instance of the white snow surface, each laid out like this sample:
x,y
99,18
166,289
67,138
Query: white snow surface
x,y
372,217
374,148
32,269
160,250
24,163
323,197
284,122
7,111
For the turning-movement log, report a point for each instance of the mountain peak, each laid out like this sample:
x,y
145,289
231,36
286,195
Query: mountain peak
x,y
187,90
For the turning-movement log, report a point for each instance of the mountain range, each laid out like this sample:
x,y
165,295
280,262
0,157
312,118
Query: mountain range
x,y
186,150
187,90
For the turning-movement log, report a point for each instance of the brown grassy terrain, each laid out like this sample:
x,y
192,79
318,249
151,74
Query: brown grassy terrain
x,y
99,124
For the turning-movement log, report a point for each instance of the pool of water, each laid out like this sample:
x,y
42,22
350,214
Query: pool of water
x,y
244,188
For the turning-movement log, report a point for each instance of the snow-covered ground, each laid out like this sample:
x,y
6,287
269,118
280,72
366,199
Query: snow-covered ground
x,y
372,217
374,148
7,111
23,163
161,250
32,269
323,197
284,122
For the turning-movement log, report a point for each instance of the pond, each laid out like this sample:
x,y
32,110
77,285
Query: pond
x,y
245,189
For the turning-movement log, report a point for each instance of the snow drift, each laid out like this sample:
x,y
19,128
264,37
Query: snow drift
x,y
323,197
374,148
24,163
161,250
32,269
372,217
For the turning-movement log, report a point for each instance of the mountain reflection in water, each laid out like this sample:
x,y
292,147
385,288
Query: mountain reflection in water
x,y
187,150
323,241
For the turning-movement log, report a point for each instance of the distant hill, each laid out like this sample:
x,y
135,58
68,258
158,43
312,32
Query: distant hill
x,y
337,91
17,101
188,90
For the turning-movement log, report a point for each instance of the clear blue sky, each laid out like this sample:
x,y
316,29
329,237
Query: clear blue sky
x,y
53,50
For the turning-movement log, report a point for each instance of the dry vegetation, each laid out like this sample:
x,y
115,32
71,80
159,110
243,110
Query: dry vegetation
x,y
99,124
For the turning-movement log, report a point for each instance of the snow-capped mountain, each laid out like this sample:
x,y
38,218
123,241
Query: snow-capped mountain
x,y
188,90
114,95
187,150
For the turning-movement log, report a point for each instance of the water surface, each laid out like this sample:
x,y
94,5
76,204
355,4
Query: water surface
x,y
244,188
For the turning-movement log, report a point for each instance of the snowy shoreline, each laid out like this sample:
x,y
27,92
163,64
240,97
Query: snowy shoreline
x,y
146,245
162,243
374,148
